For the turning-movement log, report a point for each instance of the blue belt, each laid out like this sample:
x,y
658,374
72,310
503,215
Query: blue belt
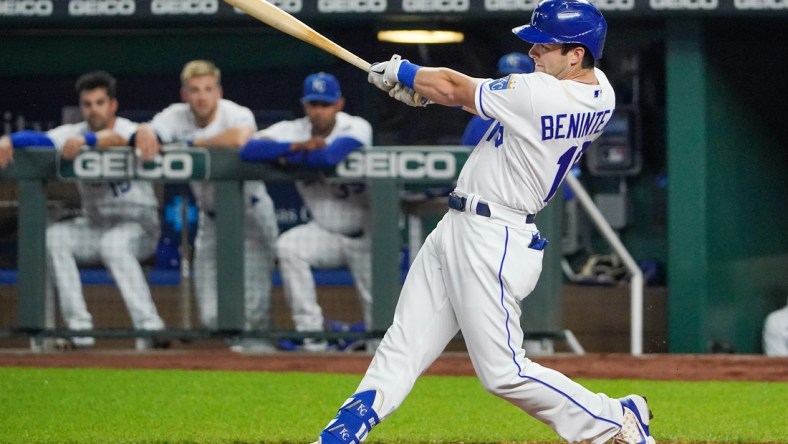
x,y
457,202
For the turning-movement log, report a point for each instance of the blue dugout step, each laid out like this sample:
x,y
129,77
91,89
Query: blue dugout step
x,y
158,277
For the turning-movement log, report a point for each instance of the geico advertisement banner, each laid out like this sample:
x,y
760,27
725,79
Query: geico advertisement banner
x,y
439,165
190,10
123,164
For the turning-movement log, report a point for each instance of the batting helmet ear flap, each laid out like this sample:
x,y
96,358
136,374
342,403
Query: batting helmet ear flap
x,y
566,21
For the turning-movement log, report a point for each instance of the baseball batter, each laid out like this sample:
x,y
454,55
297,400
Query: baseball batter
x,y
485,255
338,233
119,225
206,119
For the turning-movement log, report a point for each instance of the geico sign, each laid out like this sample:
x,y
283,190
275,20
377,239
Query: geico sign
x,y
291,6
101,7
407,165
26,7
760,4
351,5
187,7
435,5
119,165
683,4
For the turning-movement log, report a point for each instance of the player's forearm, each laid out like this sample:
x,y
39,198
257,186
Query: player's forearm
x,y
109,138
232,138
446,86
260,150
23,139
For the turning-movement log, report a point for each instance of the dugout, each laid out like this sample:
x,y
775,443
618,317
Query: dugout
x,y
706,206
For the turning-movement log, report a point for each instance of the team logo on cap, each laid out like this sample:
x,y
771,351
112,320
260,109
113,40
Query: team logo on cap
x,y
319,85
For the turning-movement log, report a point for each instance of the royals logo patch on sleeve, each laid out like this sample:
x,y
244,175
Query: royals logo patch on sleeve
x,y
502,83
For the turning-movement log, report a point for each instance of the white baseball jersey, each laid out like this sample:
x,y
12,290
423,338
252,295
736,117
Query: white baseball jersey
x,y
476,267
102,200
338,207
536,138
119,227
338,233
176,124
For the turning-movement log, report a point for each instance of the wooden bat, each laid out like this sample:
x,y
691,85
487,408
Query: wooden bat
x,y
281,20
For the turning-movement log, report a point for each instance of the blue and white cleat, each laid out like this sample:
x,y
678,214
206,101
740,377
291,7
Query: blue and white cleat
x,y
353,422
634,428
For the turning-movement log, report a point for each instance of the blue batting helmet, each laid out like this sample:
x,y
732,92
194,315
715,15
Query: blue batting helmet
x,y
514,63
566,21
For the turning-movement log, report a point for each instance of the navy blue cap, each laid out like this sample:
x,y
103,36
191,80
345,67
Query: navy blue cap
x,y
321,87
514,63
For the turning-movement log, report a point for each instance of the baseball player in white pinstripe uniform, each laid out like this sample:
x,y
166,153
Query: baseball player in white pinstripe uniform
x,y
485,256
338,233
208,120
119,225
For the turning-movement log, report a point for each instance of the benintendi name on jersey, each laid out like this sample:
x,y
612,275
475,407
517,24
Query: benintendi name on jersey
x,y
574,126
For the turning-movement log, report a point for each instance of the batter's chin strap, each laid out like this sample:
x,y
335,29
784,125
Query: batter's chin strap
x,y
353,421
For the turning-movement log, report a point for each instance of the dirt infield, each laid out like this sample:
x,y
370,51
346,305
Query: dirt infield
x,y
655,366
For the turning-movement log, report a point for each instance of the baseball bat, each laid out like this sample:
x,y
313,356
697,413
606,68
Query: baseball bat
x,y
281,20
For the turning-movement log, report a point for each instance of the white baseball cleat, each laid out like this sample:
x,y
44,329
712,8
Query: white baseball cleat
x,y
635,427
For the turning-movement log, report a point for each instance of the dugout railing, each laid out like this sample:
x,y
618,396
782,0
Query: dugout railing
x,y
386,170
399,178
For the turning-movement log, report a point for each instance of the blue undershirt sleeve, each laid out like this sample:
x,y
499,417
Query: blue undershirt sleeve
x,y
328,156
24,139
258,150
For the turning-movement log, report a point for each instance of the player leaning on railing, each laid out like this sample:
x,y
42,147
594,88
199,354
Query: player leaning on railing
x,y
485,256
119,224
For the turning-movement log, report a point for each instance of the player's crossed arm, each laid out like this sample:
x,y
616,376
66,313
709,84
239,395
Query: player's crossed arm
x,y
234,138
101,139
21,139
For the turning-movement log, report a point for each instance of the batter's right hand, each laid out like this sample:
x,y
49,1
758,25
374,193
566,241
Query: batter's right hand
x,y
408,96
6,151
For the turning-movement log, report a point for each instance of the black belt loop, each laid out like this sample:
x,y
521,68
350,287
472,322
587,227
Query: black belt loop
x,y
457,202
355,234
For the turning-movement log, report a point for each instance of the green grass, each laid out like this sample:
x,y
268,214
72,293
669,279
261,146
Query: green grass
x,y
173,406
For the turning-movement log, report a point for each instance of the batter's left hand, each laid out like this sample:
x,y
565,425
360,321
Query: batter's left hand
x,y
384,74
377,76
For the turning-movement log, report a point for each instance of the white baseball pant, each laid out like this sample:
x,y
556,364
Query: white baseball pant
x,y
303,247
261,230
119,247
471,274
